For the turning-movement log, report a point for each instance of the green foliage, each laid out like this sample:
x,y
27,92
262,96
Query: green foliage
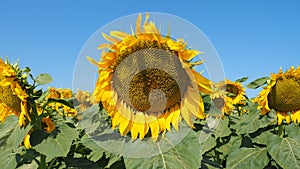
x,y
11,136
285,151
247,158
258,82
58,142
241,80
43,79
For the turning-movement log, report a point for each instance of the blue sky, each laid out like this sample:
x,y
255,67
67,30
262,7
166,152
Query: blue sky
x,y
252,38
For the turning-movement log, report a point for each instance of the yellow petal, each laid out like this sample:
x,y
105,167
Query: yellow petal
x,y
162,123
189,54
279,117
92,61
27,141
203,83
110,39
185,113
120,35
168,117
175,45
138,25
176,118
154,126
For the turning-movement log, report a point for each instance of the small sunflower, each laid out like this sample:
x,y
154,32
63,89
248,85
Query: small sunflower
x,y
61,94
147,82
13,98
283,95
85,99
227,94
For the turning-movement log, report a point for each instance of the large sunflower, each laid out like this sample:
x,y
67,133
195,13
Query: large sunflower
x,y
227,94
13,98
146,81
283,95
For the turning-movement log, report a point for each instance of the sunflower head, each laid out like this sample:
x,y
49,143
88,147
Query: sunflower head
x,y
13,98
62,109
282,94
146,81
85,99
226,94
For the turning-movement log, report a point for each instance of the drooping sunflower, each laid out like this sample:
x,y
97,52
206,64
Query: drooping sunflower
x,y
47,125
147,82
227,94
13,98
282,94
61,94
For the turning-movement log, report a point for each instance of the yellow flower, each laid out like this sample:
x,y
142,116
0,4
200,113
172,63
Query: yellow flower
x,y
283,95
146,81
61,94
227,94
13,98
47,125
85,100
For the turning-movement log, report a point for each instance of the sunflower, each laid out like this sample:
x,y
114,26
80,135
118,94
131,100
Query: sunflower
x,y
47,126
147,82
13,98
227,94
85,100
61,94
282,94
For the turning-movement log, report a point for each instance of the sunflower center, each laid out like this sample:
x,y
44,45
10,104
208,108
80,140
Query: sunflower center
x,y
7,97
232,89
144,94
285,95
150,77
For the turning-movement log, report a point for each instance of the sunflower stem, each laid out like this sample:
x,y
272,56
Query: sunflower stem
x,y
43,164
281,130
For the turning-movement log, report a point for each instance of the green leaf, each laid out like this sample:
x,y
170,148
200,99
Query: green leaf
x,y
58,143
234,142
43,79
186,154
292,130
11,135
285,151
8,159
96,153
176,149
251,122
258,82
247,158
206,140
262,138
32,165
222,130
44,95
241,80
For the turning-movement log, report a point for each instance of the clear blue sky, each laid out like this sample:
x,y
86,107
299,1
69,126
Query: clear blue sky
x,y
252,38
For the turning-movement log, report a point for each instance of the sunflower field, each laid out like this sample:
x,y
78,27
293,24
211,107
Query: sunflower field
x,y
151,108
